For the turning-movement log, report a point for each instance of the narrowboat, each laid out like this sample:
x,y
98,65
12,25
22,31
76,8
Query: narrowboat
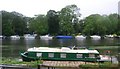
x,y
61,54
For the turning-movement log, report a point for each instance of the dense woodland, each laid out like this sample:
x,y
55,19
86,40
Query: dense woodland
x,y
64,22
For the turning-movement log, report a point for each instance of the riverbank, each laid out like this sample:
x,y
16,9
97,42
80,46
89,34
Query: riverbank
x,y
100,65
10,62
35,36
18,62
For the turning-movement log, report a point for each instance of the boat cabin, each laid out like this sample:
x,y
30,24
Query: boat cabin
x,y
64,53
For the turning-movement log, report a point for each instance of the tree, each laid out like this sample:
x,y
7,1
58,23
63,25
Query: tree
x,y
114,22
95,24
118,26
39,25
80,26
68,19
0,23
13,23
7,24
53,22
19,23
101,27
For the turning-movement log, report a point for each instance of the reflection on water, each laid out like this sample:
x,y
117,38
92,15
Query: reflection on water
x,y
11,48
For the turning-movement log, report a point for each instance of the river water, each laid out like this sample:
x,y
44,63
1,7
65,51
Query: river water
x,y
12,48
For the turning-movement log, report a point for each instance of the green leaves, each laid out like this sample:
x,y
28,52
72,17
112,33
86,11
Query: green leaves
x,y
96,24
67,25
64,22
39,25
53,22
13,23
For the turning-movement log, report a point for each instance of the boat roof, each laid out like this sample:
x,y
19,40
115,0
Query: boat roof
x,y
63,49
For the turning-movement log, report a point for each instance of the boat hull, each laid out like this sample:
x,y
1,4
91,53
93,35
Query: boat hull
x,y
32,56
28,58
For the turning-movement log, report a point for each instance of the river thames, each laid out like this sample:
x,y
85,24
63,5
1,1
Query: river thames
x,y
12,47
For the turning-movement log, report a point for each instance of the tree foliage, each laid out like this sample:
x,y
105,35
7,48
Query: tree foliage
x,y
96,24
19,24
13,23
39,25
114,22
53,22
64,22
67,19
118,26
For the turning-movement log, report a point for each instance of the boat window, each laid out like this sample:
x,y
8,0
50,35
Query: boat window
x,y
91,55
51,55
79,55
63,55
39,54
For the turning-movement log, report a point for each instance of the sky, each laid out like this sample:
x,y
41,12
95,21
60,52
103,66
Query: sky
x,y
34,7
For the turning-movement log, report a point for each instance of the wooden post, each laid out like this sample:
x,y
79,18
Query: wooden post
x,y
85,60
109,52
111,58
38,66
53,68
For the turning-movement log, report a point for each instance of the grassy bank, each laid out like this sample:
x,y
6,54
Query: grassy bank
x,y
11,61
34,64
105,65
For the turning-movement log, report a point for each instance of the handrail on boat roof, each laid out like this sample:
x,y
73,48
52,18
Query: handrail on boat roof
x,y
74,47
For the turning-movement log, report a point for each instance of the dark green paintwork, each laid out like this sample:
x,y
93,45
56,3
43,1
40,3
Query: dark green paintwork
x,y
69,56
